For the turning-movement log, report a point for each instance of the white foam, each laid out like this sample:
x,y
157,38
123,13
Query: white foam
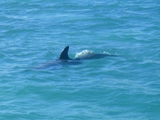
x,y
83,54
106,53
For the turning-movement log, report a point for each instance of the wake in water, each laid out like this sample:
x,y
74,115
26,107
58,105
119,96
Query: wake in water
x,y
86,54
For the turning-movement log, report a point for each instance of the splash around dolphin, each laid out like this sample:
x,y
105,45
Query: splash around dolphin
x,y
64,58
84,55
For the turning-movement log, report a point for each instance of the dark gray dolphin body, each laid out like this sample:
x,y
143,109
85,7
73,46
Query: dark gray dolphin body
x,y
64,59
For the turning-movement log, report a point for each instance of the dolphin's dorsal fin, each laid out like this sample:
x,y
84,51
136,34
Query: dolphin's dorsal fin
x,y
64,54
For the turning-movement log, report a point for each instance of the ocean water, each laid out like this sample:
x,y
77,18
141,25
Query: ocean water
x,y
126,87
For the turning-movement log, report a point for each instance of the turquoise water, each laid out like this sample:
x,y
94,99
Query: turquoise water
x,y
126,87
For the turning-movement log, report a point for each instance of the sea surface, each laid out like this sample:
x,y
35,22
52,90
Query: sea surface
x,y
126,87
